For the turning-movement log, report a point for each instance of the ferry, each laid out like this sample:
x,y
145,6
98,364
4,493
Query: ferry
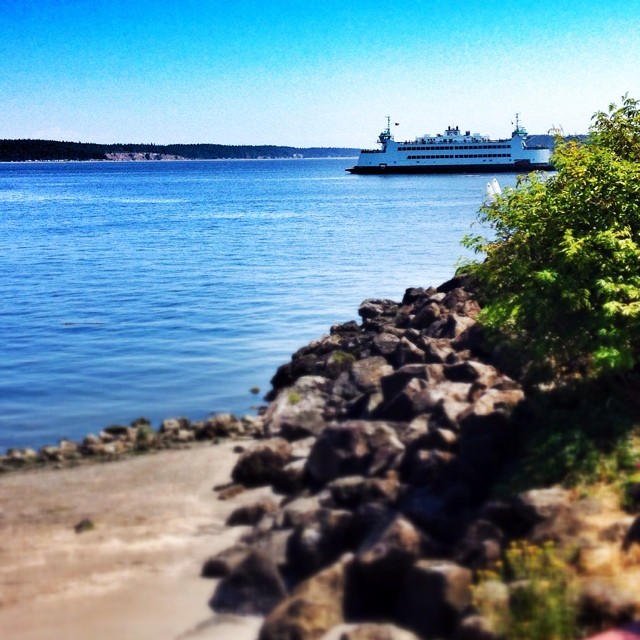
x,y
454,152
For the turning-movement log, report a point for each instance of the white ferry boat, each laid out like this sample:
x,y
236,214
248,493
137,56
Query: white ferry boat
x,y
454,152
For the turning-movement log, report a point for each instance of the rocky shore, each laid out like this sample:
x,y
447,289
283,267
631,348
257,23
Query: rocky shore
x,y
117,441
373,469
382,444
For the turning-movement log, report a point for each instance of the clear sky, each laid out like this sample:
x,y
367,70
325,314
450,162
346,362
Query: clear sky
x,y
308,72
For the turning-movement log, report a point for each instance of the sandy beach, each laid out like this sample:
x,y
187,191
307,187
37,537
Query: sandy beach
x,y
136,574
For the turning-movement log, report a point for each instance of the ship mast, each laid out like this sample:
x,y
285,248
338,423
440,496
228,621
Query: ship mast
x,y
386,134
519,131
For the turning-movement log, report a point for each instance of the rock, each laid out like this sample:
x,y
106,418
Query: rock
x,y
251,514
113,448
409,353
322,537
375,308
496,399
632,536
298,410
254,587
50,454
592,558
451,409
395,382
223,563
368,631
275,544
428,511
413,294
486,432
302,448
350,327
444,439
424,467
291,478
455,298
222,425
540,505
602,605
354,447
21,456
230,491
450,326
171,425
481,546
351,491
407,404
294,513
386,344
471,371
260,465
615,532
313,608
436,350
367,373
475,628
68,449
119,432
282,378
392,543
428,314
91,444
86,524
380,566
183,436
433,598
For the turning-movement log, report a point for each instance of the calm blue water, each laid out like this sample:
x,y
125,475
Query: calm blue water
x,y
170,289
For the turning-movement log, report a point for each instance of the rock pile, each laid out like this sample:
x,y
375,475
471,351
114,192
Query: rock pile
x,y
383,439
117,440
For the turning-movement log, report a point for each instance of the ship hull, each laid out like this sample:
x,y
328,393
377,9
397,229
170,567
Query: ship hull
x,y
451,168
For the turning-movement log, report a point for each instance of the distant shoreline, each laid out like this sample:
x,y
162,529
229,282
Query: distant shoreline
x,y
61,151
164,161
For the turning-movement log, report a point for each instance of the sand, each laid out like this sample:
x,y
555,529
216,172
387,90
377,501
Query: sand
x,y
136,575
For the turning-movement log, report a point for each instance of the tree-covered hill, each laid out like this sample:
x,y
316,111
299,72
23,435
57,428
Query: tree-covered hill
x,y
23,150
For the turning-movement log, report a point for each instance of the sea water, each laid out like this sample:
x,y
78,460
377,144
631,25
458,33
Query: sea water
x,y
164,289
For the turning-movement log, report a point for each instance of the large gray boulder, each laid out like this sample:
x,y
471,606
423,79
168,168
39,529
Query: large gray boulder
x,y
298,410
313,608
260,465
253,587
434,597
354,447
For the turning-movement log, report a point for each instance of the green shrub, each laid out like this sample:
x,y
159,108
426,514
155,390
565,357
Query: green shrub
x,y
578,433
561,277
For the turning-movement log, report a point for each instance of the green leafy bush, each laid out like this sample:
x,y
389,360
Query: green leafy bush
x,y
561,276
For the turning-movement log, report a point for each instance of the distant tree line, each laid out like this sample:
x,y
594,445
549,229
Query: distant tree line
x,y
23,150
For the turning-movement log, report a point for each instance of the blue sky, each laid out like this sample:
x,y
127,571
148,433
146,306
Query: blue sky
x,y
308,73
